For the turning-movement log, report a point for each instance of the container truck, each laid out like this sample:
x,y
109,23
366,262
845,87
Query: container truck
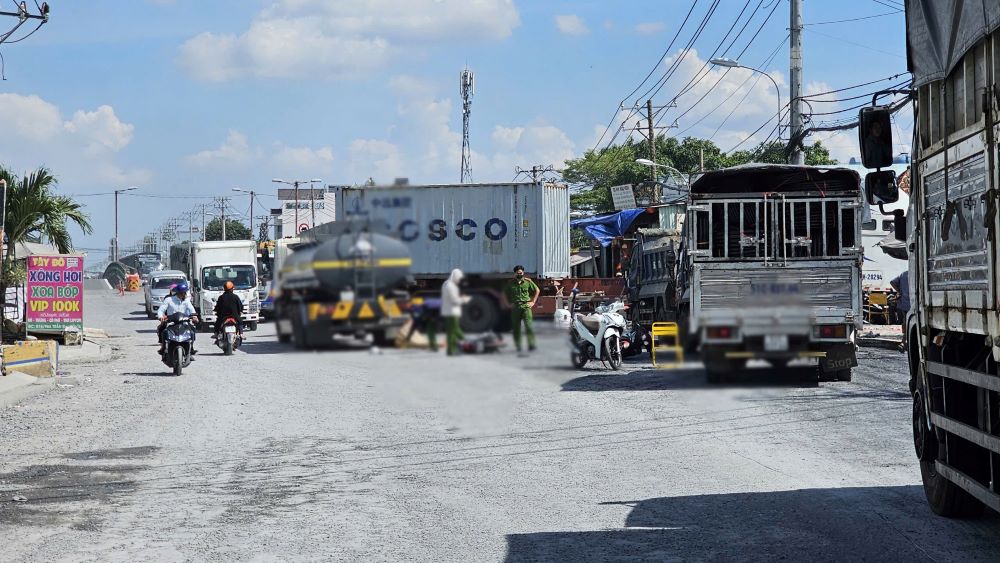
x,y
209,265
953,326
484,229
341,279
773,261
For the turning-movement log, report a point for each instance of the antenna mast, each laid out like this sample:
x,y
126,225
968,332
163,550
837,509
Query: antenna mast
x,y
467,87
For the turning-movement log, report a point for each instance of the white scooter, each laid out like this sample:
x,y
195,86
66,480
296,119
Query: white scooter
x,y
597,336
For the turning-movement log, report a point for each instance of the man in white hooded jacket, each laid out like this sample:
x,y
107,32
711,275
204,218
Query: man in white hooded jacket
x,y
451,309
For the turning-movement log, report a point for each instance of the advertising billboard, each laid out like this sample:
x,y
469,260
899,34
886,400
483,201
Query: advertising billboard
x,y
54,293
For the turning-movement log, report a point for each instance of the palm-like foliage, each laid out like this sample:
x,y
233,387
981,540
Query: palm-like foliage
x,y
35,213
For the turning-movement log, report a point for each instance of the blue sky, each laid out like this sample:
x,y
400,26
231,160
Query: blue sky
x,y
192,98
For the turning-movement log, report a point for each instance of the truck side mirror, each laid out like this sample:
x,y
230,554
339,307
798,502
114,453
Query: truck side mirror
x,y
899,223
875,136
881,187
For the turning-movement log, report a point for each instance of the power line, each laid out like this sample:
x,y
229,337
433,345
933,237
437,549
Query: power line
x,y
740,55
756,77
855,19
886,79
849,42
662,81
851,98
651,72
887,5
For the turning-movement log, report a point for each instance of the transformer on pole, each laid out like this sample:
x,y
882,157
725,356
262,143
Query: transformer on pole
x,y
467,87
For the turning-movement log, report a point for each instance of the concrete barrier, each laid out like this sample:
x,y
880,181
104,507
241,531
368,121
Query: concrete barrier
x,y
97,284
39,358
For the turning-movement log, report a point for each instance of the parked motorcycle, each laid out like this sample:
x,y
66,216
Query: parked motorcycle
x,y
179,336
598,336
634,339
231,336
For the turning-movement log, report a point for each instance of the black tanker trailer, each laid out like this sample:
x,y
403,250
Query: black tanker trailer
x,y
343,278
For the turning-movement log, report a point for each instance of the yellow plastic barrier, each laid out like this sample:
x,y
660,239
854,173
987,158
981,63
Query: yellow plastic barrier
x,y
667,331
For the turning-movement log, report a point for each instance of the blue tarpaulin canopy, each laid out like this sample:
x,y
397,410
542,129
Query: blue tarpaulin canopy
x,y
605,228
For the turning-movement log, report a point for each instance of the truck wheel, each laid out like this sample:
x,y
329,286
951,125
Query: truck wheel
x,y
299,339
944,497
718,367
480,314
834,374
252,325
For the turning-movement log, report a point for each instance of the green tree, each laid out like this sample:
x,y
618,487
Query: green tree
x,y
596,171
235,230
35,213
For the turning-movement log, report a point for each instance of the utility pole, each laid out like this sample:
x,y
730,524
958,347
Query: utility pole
x,y
312,205
652,138
795,86
204,227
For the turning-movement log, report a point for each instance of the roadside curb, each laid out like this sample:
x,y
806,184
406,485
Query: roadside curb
x,y
879,342
17,387
91,350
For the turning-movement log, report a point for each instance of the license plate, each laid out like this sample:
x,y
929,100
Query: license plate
x,y
775,342
230,328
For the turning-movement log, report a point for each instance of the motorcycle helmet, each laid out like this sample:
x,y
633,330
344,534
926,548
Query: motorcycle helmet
x,y
181,288
228,285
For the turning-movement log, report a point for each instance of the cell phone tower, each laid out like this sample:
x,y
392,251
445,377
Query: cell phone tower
x,y
467,87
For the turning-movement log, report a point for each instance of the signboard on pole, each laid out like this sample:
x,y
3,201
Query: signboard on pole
x,y
54,293
623,197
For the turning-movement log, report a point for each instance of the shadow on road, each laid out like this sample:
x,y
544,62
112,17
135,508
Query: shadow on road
x,y
650,379
863,523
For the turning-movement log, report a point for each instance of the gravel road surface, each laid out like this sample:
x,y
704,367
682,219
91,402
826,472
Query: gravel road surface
x,y
404,455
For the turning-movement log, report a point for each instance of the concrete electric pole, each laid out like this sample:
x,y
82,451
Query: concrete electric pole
x,y
795,76
652,138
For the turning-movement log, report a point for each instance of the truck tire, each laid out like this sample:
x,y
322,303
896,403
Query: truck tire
x,y
717,367
944,497
480,314
252,325
834,375
299,337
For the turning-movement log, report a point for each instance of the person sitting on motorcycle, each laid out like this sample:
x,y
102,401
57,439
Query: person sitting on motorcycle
x,y
177,302
229,305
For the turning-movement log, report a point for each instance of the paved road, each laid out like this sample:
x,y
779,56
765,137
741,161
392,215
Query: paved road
x,y
347,455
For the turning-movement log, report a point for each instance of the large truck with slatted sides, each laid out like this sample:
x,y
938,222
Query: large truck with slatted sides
x,y
951,229
342,279
772,267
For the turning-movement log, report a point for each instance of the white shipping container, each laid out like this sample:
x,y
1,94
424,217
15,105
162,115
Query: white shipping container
x,y
484,229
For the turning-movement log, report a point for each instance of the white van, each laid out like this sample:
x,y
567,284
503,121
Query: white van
x,y
158,288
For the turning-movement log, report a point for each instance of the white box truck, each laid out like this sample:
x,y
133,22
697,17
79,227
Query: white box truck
x,y
209,265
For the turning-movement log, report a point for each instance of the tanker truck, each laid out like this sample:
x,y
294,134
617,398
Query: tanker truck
x,y
342,279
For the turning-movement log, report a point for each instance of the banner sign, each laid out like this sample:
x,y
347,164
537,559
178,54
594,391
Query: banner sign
x,y
623,197
55,293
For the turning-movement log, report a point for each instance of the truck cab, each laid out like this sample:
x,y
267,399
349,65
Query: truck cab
x,y
774,267
210,285
209,265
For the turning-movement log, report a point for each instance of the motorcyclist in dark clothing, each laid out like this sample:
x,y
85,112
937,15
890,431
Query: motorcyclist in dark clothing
x,y
228,305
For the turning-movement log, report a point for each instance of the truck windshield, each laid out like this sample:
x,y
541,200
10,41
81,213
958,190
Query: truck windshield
x,y
215,277
165,283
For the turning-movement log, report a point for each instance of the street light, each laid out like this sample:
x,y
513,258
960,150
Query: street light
x,y
128,189
730,63
650,163
253,196
296,183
